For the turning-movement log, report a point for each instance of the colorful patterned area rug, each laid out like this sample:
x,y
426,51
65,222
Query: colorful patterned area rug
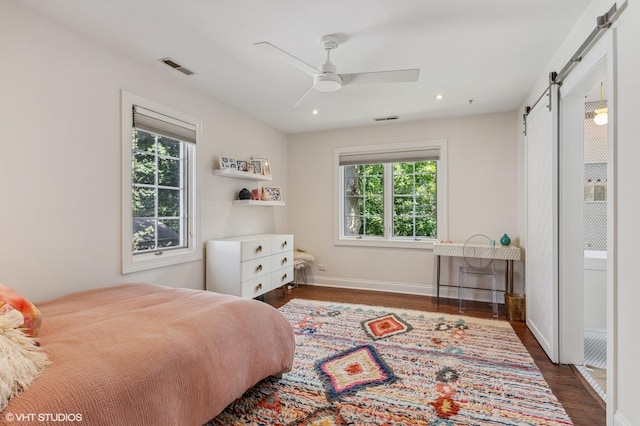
x,y
364,365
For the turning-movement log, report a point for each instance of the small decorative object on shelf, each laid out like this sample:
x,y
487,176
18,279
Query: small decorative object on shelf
x,y
505,240
589,190
256,194
274,193
257,167
599,190
227,162
244,194
264,166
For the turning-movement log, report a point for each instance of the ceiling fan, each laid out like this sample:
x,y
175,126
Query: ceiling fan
x,y
325,78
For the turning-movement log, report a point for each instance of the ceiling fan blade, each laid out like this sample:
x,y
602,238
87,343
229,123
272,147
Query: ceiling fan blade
x,y
396,76
287,57
303,96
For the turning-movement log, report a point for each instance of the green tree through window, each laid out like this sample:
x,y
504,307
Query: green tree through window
x,y
158,192
414,199
364,200
413,194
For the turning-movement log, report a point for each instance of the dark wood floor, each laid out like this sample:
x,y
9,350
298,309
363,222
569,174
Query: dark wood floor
x,y
581,403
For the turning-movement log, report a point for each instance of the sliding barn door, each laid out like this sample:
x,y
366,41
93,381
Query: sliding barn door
x,y
542,223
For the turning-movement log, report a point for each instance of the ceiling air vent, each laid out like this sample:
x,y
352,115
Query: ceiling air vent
x,y
173,64
393,117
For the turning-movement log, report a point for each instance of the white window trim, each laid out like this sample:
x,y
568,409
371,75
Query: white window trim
x,y
141,262
397,242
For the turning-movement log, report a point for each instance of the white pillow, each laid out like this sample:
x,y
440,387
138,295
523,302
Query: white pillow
x,y
20,359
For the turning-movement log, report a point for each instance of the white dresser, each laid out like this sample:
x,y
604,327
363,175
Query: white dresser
x,y
249,266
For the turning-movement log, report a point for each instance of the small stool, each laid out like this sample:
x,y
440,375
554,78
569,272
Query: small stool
x,y
301,259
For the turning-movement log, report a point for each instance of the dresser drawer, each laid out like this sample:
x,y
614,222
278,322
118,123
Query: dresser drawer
x,y
281,243
255,268
255,248
281,277
281,260
256,287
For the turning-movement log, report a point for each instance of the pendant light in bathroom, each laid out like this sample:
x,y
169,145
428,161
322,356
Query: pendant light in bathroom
x,y
602,116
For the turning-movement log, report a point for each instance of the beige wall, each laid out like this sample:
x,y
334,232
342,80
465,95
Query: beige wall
x,y
60,160
482,194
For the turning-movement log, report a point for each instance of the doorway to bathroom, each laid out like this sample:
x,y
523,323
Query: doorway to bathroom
x,y
585,209
595,238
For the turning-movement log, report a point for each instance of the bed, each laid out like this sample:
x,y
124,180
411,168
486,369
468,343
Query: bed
x,y
139,354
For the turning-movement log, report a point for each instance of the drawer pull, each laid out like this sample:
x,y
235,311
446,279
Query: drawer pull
x,y
284,277
284,261
259,268
259,249
284,244
259,286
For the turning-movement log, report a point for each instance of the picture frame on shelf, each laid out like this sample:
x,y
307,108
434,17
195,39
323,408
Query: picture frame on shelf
x,y
257,166
242,165
228,162
265,165
274,193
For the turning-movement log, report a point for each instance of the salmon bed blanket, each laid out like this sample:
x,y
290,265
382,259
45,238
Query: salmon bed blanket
x,y
139,354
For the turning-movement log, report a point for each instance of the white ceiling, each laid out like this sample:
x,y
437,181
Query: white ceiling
x,y
489,51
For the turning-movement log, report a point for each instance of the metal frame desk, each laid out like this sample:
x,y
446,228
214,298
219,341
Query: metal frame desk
x,y
482,251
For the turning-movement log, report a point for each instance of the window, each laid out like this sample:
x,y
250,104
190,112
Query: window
x,y
415,199
391,195
363,200
159,192
159,185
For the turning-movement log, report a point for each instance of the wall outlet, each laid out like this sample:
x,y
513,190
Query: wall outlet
x,y
322,267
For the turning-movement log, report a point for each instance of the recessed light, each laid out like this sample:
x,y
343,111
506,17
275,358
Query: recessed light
x,y
315,112
439,96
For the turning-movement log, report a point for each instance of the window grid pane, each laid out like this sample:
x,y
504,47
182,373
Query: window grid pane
x,y
158,192
364,200
414,199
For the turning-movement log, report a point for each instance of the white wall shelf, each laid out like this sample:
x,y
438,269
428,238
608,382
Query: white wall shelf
x,y
259,203
238,174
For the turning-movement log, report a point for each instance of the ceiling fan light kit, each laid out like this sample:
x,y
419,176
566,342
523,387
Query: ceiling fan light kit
x,y
326,79
327,83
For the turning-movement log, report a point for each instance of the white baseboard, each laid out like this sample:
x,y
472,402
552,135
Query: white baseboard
x,y
387,286
620,420
405,288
